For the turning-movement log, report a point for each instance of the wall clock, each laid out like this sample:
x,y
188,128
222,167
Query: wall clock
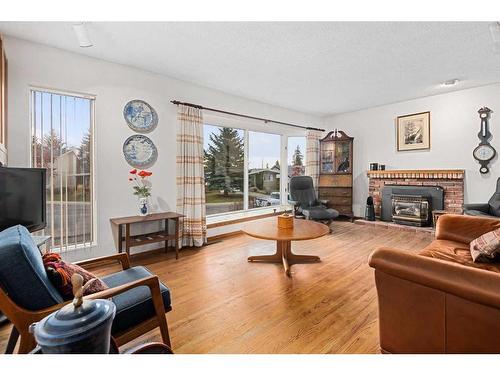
x,y
484,152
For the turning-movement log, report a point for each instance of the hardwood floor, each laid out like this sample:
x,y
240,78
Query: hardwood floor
x,y
223,304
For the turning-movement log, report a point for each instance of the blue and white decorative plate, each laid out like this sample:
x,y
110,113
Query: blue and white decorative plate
x,y
140,116
140,151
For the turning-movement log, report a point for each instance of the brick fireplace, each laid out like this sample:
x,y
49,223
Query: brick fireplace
x,y
451,180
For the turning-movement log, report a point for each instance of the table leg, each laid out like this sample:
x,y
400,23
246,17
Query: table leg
x,y
127,239
177,239
285,249
284,255
120,238
166,233
295,258
277,257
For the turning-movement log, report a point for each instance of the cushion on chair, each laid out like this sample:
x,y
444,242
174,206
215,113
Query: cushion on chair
x,y
61,272
320,213
22,275
136,305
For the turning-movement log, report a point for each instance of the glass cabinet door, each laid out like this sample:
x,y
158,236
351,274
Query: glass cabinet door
x,y
327,158
343,162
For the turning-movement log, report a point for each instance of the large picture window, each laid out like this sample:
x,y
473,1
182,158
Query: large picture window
x,y
224,160
61,142
243,168
264,170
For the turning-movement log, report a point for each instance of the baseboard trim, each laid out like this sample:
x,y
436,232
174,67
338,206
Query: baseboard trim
x,y
222,236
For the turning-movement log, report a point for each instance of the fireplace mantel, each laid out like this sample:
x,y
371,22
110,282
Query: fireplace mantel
x,y
431,174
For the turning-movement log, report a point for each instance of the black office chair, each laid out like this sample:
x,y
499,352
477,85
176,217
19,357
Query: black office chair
x,y
492,208
303,198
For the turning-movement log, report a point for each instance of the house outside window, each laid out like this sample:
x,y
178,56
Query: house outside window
x,y
62,142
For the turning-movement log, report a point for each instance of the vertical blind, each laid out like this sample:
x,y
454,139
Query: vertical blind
x,y
62,126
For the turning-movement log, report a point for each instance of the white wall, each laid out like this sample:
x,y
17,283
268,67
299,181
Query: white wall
x,y
454,127
114,85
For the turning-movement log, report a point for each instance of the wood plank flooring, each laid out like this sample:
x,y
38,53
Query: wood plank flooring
x,y
223,304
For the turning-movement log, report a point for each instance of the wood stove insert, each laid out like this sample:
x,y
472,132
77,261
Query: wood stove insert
x,y
411,210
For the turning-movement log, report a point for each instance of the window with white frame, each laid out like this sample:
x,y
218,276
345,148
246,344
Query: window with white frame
x,y
264,169
61,141
243,168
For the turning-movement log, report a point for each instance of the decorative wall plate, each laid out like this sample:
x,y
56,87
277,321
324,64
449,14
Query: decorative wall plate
x,y
140,116
140,151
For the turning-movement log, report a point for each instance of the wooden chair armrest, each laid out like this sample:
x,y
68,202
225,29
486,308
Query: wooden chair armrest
x,y
151,282
120,257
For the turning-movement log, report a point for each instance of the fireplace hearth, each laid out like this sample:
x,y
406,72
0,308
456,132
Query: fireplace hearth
x,y
411,210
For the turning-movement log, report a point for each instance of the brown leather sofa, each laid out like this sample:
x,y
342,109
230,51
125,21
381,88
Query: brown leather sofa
x,y
437,300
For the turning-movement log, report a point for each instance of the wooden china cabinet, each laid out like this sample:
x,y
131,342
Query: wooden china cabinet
x,y
335,173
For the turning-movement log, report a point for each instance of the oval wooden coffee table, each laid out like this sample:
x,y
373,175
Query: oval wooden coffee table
x,y
302,230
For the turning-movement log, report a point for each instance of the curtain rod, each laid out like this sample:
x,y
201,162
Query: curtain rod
x,y
176,102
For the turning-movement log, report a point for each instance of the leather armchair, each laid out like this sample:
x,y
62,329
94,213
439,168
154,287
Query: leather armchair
x,y
437,300
492,208
303,198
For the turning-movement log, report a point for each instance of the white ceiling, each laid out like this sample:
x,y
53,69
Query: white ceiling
x,y
320,68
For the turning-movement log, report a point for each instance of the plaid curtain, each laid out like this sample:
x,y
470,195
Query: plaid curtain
x,y
190,176
312,155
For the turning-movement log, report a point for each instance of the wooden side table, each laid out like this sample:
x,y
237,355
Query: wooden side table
x,y
121,224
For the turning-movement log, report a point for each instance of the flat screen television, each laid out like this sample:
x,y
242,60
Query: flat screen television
x,y
22,198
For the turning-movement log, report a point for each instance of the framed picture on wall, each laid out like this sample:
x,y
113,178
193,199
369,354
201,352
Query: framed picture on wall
x,y
414,132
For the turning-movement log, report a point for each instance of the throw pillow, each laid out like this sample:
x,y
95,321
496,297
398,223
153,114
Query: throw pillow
x,y
486,248
60,272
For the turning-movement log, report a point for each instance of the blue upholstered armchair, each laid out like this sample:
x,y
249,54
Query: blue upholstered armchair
x,y
303,197
27,295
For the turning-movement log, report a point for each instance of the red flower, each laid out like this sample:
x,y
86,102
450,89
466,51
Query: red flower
x,y
142,174
133,171
147,173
